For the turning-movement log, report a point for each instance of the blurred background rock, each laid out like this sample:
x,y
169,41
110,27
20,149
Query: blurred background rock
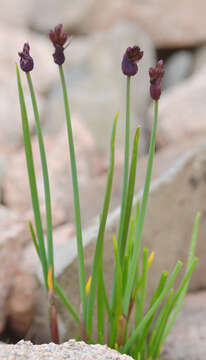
x,y
101,31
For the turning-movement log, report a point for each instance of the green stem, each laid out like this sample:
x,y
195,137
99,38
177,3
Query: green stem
x,y
125,181
45,175
126,167
32,179
140,223
76,198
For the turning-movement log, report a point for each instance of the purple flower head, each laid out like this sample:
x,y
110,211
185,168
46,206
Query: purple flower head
x,y
26,61
58,39
156,74
130,59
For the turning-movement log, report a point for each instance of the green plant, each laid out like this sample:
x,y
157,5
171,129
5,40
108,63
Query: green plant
x,y
134,328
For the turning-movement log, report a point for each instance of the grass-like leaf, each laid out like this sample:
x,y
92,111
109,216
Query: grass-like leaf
x,y
150,313
100,236
130,196
140,223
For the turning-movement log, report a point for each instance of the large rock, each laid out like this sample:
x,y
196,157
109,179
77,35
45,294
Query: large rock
x,y
16,282
45,15
188,337
182,111
171,24
175,198
69,350
15,13
44,74
97,86
78,17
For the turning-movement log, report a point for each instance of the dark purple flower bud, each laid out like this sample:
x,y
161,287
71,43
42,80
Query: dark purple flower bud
x,y
156,74
26,61
130,59
58,39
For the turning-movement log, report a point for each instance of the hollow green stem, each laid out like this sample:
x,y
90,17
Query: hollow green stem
x,y
45,175
126,167
32,179
76,197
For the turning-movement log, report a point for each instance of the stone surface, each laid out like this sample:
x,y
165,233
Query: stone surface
x,y
168,233
21,302
182,111
15,13
44,74
171,24
97,86
44,16
199,58
187,341
69,350
79,17
177,68
14,236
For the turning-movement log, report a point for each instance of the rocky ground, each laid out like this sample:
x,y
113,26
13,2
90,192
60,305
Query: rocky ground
x,y
101,32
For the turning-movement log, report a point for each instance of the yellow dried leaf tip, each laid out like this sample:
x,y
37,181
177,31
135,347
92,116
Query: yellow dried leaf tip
x,y
151,258
50,279
88,284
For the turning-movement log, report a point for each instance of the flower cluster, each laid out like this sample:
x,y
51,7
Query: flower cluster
x,y
26,61
156,74
58,39
130,59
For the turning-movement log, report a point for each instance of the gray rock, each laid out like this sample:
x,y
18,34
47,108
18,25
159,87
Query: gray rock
x,y
177,68
97,86
187,339
69,350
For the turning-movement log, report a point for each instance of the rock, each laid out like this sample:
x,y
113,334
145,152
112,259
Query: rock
x,y
79,17
182,111
70,349
21,302
14,236
44,74
187,339
180,190
44,16
97,86
168,24
177,68
15,13
199,58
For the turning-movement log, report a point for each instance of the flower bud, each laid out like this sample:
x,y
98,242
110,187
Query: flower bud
x,y
130,59
26,61
58,39
156,74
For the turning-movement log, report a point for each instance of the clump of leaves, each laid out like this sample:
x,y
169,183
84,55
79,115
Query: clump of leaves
x,y
134,328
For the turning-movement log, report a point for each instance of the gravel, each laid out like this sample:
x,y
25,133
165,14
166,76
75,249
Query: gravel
x,y
71,349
